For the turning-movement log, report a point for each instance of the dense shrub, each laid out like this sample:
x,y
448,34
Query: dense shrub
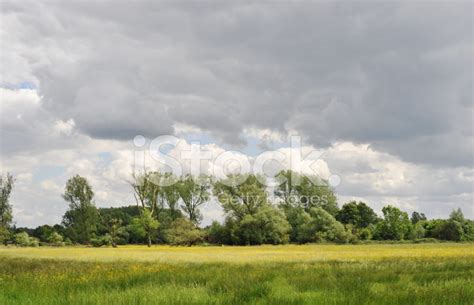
x,y
456,228
183,232
55,239
418,231
99,241
5,235
365,234
216,233
22,239
267,226
319,226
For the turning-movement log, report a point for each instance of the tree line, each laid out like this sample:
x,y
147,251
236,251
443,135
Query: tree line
x,y
299,209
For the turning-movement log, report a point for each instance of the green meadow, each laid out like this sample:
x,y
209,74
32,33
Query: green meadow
x,y
289,274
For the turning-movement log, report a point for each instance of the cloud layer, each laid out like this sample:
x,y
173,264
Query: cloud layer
x,y
385,90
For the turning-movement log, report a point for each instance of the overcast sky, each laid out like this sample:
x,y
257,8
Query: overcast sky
x,y
383,90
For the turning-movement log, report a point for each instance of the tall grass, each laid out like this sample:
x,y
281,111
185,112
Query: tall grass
x,y
409,279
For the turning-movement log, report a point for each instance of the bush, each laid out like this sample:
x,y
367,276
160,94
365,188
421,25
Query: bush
x,y
216,234
22,239
183,232
5,235
267,226
320,226
365,234
55,239
100,241
418,231
451,230
426,240
33,242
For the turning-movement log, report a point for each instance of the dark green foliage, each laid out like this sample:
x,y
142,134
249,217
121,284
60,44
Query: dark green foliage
x,y
451,230
125,214
295,217
217,234
417,217
81,224
358,214
468,227
456,228
117,234
43,232
114,221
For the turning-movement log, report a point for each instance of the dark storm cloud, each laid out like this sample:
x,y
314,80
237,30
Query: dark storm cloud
x,y
397,75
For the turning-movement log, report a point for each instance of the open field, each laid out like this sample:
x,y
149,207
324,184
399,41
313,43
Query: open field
x,y
306,274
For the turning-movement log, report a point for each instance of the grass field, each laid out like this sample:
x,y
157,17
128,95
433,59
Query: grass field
x,y
306,274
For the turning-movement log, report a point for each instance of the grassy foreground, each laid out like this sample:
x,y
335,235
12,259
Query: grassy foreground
x,y
307,274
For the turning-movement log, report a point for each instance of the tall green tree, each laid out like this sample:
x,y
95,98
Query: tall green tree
x,y
6,187
147,192
170,194
145,225
286,189
154,192
240,197
395,226
358,214
417,217
305,191
194,191
82,217
315,192
457,215
115,229
6,217
456,228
